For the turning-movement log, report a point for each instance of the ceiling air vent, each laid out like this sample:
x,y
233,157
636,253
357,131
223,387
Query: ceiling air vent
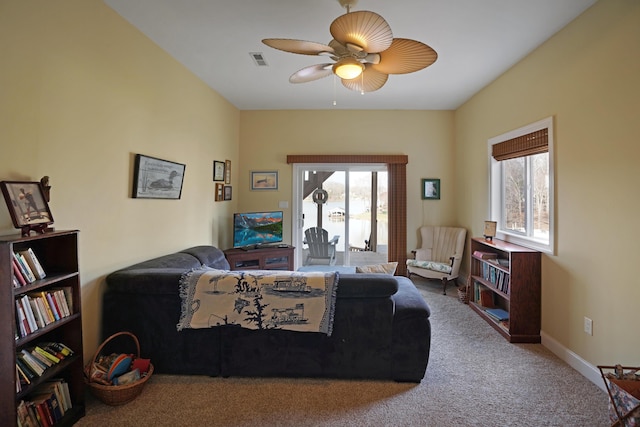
x,y
258,59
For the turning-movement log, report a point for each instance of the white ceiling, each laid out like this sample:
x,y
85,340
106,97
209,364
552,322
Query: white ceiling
x,y
476,41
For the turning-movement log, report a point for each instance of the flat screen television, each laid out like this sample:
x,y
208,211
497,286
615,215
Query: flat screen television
x,y
253,229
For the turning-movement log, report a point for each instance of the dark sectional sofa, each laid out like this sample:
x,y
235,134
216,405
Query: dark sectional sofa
x,y
381,327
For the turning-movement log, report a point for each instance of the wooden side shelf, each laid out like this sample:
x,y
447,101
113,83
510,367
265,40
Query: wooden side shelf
x,y
58,253
262,258
508,277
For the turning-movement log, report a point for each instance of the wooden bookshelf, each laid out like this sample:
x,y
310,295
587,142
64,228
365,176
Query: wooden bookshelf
x,y
58,253
510,281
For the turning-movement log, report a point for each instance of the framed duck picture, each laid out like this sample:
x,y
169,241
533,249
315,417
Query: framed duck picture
x,y
155,178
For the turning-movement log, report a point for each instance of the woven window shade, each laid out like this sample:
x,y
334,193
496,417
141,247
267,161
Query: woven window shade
x,y
526,145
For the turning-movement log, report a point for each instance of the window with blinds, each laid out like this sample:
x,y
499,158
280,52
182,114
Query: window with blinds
x,y
521,193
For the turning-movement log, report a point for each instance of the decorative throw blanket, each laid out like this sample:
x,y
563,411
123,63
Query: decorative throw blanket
x,y
259,299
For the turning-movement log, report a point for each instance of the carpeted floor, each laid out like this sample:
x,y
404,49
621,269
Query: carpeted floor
x,y
474,378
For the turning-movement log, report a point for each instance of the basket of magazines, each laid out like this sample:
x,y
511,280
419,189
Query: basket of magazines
x,y
117,378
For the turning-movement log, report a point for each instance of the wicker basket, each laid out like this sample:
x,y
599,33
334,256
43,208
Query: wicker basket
x,y
115,395
463,295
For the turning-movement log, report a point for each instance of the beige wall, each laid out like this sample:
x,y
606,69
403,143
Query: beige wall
x,y
426,137
81,91
586,77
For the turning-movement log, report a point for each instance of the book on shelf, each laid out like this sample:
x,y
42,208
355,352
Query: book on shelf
x,y
24,268
41,359
21,320
47,355
36,366
43,306
497,314
486,298
53,388
28,311
46,405
61,300
37,313
485,255
34,263
57,349
51,306
25,369
17,274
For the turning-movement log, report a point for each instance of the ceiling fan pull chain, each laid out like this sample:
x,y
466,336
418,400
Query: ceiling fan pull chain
x,y
334,91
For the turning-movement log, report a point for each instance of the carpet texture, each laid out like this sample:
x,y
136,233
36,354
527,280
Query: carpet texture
x,y
474,378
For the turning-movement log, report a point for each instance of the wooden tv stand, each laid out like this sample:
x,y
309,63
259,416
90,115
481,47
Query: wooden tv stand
x,y
261,258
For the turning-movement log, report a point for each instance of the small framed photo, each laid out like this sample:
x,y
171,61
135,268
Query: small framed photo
x,y
261,180
27,205
227,172
219,192
218,171
156,178
430,189
227,192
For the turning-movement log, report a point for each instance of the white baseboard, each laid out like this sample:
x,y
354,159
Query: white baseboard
x,y
592,373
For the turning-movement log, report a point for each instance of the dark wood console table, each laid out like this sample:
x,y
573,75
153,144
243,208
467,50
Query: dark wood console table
x,y
262,258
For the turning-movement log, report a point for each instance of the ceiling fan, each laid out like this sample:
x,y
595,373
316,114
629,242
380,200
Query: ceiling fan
x,y
363,50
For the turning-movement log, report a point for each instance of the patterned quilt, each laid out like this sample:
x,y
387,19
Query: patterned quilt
x,y
259,299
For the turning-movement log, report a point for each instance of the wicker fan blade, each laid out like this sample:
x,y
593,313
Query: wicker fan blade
x,y
406,56
299,46
311,73
369,81
365,29
338,49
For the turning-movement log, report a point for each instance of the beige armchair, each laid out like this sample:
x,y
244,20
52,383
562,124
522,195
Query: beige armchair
x,y
440,255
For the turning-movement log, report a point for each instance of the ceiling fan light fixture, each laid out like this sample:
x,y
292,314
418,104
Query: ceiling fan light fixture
x,y
348,68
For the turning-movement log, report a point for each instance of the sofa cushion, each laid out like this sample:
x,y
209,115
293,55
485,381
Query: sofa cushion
x,y
385,268
430,265
366,285
209,256
181,260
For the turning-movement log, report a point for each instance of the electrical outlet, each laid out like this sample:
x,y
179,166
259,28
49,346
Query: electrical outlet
x,y
588,326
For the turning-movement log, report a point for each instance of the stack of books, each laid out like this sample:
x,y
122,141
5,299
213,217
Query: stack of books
x,y
32,362
26,268
36,310
497,314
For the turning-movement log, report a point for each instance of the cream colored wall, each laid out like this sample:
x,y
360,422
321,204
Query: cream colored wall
x,y
426,137
586,77
81,91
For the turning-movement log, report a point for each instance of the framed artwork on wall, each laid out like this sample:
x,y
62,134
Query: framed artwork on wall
x,y
218,171
227,172
227,192
156,178
430,189
219,192
261,180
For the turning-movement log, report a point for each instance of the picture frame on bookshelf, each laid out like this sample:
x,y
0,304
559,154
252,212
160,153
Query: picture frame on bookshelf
x,y
430,189
156,178
27,205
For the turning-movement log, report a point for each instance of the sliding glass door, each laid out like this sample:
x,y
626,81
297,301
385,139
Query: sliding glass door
x,y
350,203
